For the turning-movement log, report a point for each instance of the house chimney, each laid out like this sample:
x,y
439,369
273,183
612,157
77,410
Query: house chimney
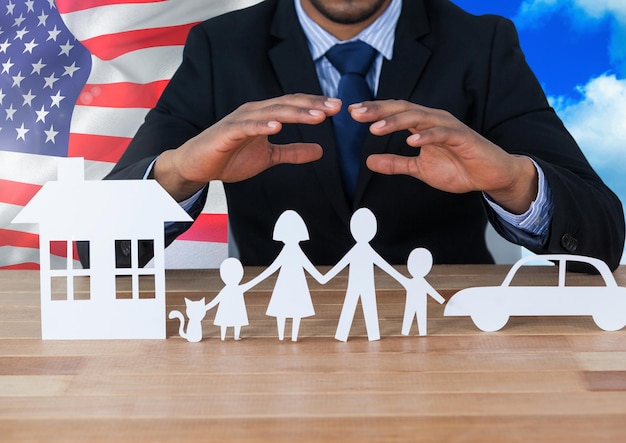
x,y
71,169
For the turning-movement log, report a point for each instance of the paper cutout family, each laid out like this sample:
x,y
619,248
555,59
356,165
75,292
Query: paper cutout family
x,y
291,298
132,211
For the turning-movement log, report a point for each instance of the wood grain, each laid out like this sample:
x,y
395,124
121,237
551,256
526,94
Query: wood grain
x,y
552,379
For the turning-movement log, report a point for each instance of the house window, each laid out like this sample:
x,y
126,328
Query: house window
x,y
132,281
58,288
60,255
68,281
146,286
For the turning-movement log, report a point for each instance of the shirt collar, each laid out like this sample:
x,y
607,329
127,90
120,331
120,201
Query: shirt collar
x,y
380,34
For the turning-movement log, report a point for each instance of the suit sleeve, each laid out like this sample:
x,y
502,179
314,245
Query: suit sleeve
x,y
588,217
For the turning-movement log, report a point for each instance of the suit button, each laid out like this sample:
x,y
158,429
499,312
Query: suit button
x,y
569,242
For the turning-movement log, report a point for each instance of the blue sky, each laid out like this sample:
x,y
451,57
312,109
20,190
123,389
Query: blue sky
x,y
577,49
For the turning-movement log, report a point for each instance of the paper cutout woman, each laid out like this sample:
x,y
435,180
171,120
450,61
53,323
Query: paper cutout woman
x,y
361,259
231,311
291,297
419,263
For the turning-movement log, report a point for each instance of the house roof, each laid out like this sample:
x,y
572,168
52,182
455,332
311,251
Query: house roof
x,y
119,207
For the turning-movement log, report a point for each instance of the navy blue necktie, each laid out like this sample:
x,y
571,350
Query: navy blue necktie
x,y
353,60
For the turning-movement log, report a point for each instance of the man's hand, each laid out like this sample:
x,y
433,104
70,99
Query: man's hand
x,y
453,157
237,147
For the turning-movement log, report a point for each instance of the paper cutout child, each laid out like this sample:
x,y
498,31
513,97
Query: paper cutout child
x,y
419,263
231,311
291,297
361,259
195,310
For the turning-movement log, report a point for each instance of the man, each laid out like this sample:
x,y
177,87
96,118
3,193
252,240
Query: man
x,y
459,132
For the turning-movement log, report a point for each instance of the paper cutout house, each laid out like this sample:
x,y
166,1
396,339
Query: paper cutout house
x,y
111,299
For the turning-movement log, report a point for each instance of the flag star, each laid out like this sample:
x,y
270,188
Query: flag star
x,y
28,98
51,3
51,134
29,6
52,35
2,96
21,132
56,99
28,47
66,48
41,115
50,81
37,67
70,70
17,79
6,66
19,20
10,111
10,8
4,46
43,18
20,34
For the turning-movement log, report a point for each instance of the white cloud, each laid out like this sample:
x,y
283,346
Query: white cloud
x,y
598,121
595,9
600,8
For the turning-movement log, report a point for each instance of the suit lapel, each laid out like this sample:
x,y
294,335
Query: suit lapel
x,y
410,58
296,73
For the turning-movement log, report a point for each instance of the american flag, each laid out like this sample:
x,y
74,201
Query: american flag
x,y
76,79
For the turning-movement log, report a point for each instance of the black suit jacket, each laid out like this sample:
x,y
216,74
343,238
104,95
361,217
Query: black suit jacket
x,y
443,58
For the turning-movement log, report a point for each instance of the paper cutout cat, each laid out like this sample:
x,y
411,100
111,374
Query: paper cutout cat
x,y
195,311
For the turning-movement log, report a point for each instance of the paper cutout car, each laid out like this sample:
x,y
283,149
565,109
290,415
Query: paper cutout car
x,y
491,307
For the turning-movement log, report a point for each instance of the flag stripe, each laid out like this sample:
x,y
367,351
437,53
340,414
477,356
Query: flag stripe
x,y
29,168
97,147
208,228
110,46
17,193
66,6
116,122
21,267
128,17
122,95
19,239
145,66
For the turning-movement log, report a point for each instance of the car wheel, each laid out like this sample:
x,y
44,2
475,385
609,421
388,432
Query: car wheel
x,y
610,320
489,322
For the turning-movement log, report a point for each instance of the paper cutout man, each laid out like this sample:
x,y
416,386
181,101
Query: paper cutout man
x,y
291,297
419,263
361,260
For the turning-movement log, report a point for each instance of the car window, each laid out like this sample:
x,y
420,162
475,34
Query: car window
x,y
580,279
536,275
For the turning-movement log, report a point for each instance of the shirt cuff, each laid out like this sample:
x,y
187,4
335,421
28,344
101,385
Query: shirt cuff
x,y
185,204
537,219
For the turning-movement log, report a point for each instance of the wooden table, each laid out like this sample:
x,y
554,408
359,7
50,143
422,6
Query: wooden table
x,y
551,379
